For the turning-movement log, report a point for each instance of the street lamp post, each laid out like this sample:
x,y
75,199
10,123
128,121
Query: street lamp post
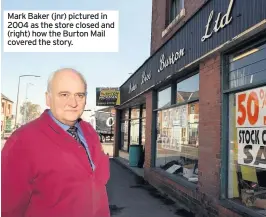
x,y
16,116
26,105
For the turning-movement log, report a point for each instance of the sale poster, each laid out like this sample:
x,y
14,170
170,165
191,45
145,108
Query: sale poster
x,y
251,127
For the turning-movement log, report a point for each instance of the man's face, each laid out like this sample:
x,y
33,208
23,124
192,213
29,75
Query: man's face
x,y
67,97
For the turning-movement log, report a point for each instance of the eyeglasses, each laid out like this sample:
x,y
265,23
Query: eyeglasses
x,y
65,96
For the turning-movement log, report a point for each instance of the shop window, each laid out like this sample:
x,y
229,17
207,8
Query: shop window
x,y
124,130
134,132
125,114
124,135
177,141
247,151
144,112
188,89
143,127
143,124
247,67
135,113
164,98
130,127
247,130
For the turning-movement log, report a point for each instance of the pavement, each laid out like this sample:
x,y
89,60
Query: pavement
x,y
130,196
108,148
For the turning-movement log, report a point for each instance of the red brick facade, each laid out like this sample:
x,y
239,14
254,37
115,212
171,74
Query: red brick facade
x,y
148,130
159,17
203,198
210,126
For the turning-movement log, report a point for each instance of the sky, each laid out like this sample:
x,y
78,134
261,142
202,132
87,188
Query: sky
x,y
99,69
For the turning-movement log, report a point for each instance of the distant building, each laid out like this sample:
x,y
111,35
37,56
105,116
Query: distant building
x,y
6,117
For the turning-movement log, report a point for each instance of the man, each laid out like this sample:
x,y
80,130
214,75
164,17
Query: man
x,y
54,166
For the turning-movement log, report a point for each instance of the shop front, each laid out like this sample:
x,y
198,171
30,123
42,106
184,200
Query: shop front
x,y
203,128
244,93
132,131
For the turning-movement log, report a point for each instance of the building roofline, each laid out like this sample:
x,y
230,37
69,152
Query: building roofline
x,y
5,98
163,44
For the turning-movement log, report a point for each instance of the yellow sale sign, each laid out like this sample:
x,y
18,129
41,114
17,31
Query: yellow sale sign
x,y
251,127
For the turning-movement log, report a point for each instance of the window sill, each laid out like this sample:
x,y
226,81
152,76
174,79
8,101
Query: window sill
x,y
177,19
175,178
238,208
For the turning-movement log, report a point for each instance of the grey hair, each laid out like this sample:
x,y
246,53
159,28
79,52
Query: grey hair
x,y
51,77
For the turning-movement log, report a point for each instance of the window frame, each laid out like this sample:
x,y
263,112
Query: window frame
x,y
129,119
141,118
225,93
169,17
160,90
123,120
175,178
175,2
173,86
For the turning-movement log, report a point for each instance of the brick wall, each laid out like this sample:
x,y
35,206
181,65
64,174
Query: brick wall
x,y
148,130
200,203
159,15
210,126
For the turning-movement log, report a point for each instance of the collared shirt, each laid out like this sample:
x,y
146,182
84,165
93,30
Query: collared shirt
x,y
80,134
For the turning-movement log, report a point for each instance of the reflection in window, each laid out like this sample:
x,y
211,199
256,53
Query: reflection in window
x,y
177,141
248,67
134,132
188,89
143,122
135,113
144,112
124,135
125,114
164,98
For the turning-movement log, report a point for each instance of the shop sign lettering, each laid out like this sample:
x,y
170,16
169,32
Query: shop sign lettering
x,y
171,59
145,77
220,23
251,127
110,122
132,87
253,147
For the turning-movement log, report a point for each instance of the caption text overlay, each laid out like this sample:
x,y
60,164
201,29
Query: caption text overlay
x,y
61,31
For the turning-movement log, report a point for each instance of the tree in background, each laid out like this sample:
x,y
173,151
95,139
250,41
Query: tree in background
x,y
30,111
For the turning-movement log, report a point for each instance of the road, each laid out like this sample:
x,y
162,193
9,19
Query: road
x,y
130,196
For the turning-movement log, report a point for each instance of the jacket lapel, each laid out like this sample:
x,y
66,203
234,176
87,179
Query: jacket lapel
x,y
62,139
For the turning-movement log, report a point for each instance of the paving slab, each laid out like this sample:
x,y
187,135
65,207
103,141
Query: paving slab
x,y
130,196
